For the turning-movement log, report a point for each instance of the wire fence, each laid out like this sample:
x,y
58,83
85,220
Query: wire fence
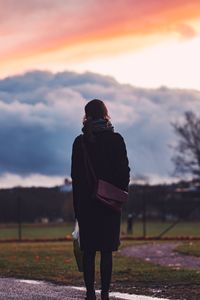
x,y
43,214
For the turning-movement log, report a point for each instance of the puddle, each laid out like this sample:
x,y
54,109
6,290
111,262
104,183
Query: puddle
x,y
30,281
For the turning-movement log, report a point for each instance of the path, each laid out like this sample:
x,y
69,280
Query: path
x,y
162,254
18,289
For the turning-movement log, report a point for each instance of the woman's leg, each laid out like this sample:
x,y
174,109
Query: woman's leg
x,y
106,272
89,272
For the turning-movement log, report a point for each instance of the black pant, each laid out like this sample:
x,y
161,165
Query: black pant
x,y
89,270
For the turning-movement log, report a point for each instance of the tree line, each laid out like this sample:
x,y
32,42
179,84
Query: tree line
x,y
160,202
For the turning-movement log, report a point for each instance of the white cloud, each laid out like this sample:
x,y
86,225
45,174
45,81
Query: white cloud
x,y
9,180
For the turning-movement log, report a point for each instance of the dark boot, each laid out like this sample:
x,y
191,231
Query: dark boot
x,y
90,295
104,295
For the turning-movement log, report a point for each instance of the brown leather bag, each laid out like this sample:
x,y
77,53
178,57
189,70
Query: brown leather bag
x,y
109,195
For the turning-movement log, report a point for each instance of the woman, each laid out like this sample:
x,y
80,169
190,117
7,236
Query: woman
x,y
99,225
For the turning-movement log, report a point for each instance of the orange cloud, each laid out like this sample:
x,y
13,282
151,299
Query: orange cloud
x,y
186,31
33,28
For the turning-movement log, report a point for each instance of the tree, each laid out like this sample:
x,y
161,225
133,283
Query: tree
x,y
187,157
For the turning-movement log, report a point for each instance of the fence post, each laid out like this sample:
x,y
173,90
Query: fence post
x,y
19,219
144,215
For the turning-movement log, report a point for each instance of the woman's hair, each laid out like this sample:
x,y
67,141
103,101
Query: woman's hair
x,y
94,110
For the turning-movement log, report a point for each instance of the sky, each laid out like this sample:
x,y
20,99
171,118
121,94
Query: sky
x,y
41,113
147,43
141,57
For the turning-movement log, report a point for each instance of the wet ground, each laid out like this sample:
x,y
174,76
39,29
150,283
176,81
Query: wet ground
x,y
162,254
15,289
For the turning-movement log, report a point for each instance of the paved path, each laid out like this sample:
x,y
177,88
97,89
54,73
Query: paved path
x,y
163,254
18,289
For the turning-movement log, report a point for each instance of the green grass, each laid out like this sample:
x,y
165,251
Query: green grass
x,y
33,231
55,262
190,248
156,227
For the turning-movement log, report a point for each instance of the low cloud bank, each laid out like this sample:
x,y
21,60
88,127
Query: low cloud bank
x,y
41,113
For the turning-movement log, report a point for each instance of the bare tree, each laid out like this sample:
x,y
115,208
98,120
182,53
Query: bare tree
x,y
187,157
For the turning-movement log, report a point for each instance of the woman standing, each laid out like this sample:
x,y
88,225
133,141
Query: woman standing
x,y
99,225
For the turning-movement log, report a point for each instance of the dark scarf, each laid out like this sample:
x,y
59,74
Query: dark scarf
x,y
92,126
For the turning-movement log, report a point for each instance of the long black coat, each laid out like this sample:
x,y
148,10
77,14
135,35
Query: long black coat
x,y
99,225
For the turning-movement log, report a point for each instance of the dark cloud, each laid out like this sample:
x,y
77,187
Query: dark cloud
x,y
41,113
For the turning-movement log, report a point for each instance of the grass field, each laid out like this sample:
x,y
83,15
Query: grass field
x,y
191,248
33,231
55,262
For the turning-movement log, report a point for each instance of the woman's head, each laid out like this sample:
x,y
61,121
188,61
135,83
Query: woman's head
x,y
96,109
96,119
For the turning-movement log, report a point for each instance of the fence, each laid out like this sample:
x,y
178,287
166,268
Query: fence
x,y
152,212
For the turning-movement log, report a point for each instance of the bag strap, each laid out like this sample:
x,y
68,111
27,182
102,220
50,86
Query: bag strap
x,y
87,161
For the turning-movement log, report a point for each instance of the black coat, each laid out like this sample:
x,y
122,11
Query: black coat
x,y
99,225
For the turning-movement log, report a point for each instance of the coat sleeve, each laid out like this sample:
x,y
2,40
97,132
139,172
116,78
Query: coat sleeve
x,y
121,163
75,175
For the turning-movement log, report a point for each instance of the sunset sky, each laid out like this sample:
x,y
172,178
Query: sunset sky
x,y
147,43
56,54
